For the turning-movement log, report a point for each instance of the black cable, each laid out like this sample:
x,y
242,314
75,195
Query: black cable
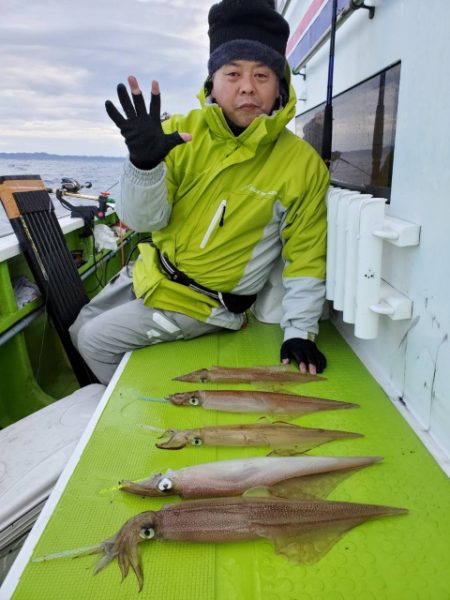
x,y
144,240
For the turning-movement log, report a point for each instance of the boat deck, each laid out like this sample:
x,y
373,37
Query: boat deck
x,y
391,558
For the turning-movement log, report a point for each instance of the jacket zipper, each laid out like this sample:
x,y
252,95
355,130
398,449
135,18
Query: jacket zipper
x,y
218,217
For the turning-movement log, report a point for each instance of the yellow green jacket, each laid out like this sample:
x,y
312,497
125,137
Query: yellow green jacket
x,y
222,208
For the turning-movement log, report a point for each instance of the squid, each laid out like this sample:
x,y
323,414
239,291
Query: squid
x,y
243,401
266,374
276,435
301,530
286,477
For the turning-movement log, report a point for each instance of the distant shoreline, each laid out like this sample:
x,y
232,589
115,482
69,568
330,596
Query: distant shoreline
x,y
46,156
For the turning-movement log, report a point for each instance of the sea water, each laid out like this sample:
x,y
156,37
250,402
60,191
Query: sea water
x,y
102,172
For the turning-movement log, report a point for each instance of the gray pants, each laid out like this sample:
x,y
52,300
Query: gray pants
x,y
115,322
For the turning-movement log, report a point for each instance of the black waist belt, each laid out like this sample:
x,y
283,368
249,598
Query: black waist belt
x,y
233,302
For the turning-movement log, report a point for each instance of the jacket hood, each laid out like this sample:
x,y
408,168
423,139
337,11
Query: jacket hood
x,y
267,126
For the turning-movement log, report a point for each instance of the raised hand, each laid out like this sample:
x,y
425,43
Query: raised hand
x,y
146,141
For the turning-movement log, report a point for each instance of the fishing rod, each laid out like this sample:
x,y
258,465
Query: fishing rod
x,y
328,113
71,188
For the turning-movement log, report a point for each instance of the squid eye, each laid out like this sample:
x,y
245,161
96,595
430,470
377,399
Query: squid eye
x,y
146,532
193,401
197,441
165,485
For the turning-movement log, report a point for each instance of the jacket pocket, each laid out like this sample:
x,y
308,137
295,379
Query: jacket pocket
x,y
216,221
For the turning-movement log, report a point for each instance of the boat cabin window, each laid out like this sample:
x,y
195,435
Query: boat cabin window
x,y
364,121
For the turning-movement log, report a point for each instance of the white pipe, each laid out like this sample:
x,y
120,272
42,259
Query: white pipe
x,y
340,248
332,204
368,279
351,254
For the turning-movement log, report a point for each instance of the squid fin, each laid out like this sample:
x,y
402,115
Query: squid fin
x,y
257,492
323,437
292,451
275,419
265,419
309,542
316,485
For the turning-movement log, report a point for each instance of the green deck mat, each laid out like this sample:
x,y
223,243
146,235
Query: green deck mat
x,y
392,558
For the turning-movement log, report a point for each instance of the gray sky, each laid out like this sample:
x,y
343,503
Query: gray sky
x,y
61,59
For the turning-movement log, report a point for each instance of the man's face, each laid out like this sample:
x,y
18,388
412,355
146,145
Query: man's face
x,y
244,90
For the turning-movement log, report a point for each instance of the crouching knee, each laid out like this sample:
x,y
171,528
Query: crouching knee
x,y
87,341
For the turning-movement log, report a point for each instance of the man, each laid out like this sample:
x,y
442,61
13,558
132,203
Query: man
x,y
224,190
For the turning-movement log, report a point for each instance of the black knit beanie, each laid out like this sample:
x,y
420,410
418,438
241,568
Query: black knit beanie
x,y
247,30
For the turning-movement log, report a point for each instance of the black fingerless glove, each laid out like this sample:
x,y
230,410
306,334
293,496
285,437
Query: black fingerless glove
x,y
303,351
146,141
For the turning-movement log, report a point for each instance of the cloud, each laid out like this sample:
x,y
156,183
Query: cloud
x,y
62,59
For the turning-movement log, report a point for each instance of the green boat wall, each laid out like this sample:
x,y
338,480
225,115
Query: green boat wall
x,y
34,370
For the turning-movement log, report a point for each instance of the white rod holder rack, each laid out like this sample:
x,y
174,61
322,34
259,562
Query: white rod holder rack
x,y
399,232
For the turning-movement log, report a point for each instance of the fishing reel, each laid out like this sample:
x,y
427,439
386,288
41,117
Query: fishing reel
x,y
71,185
71,188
